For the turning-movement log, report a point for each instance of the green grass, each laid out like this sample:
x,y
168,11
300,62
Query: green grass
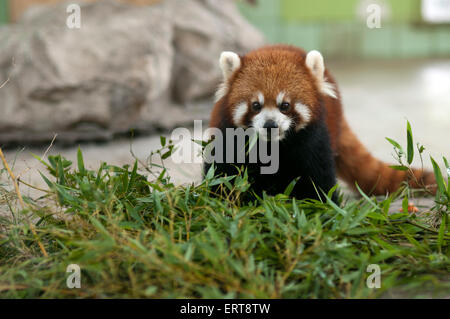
x,y
138,239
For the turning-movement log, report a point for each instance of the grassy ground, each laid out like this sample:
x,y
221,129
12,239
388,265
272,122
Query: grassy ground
x,y
133,238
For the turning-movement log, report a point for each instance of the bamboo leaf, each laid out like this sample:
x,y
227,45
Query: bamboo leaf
x,y
438,175
410,143
442,230
394,143
80,162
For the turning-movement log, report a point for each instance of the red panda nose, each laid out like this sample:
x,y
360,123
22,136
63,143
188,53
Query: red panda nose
x,y
270,124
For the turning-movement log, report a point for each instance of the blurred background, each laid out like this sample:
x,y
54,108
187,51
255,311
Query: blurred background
x,y
339,28
151,65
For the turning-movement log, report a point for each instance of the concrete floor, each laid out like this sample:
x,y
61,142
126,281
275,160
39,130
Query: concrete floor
x,y
378,98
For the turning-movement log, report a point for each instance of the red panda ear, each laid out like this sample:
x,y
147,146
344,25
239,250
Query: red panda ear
x,y
314,62
229,62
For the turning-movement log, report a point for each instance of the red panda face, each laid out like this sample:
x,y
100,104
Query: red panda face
x,y
273,88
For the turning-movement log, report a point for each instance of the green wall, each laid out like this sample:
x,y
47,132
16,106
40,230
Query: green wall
x,y
343,10
3,11
335,28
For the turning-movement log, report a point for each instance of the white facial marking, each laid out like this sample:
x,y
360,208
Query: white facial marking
x,y
280,98
221,91
239,112
305,114
329,89
283,122
261,98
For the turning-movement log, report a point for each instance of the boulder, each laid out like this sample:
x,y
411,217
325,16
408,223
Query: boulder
x,y
146,68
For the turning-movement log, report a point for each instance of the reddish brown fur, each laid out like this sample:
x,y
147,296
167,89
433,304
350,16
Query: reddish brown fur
x,y
274,68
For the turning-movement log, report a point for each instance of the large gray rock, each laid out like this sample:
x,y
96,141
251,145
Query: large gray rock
x,y
127,67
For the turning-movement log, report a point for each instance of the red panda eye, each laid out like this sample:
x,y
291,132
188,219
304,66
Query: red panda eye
x,y
284,107
256,106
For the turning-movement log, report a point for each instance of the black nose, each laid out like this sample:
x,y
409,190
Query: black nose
x,y
270,124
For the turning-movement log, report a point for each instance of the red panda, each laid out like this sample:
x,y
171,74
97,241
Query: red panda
x,y
284,88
